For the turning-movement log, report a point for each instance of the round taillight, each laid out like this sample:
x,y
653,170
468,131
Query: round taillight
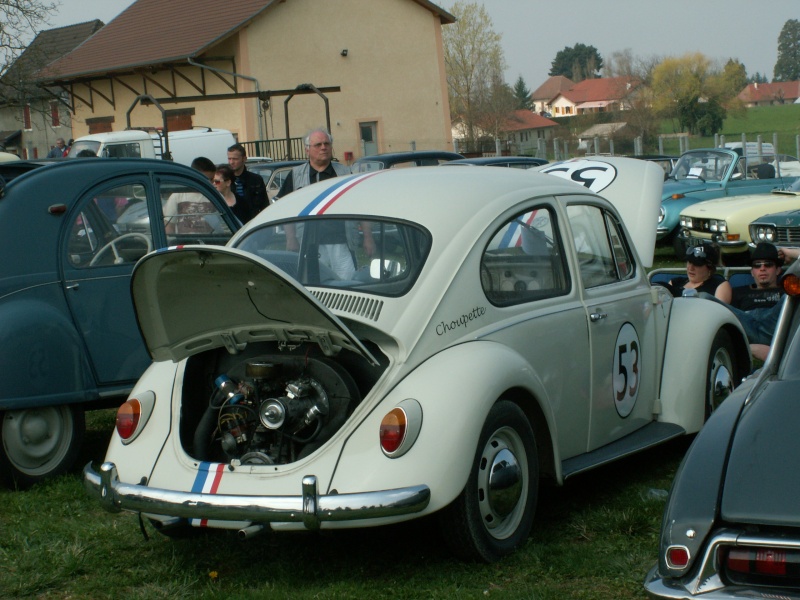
x,y
393,430
128,416
791,285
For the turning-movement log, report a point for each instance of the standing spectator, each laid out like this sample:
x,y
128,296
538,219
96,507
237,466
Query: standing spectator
x,y
59,150
223,181
249,188
335,247
764,292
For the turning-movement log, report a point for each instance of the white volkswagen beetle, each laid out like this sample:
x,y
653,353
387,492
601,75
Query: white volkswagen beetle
x,y
379,347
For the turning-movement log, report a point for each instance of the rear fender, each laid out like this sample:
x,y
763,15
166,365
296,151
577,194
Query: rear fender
x,y
455,395
692,326
42,356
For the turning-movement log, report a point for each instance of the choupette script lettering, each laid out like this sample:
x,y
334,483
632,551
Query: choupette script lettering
x,y
461,321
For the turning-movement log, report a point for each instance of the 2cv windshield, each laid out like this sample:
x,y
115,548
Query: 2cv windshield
x,y
368,255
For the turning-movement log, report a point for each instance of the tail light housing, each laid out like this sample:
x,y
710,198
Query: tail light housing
x,y
761,565
400,428
133,415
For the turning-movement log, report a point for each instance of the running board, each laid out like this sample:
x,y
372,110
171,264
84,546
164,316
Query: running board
x,y
651,434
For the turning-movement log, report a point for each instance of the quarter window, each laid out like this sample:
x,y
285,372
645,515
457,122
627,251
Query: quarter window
x,y
523,261
190,217
603,256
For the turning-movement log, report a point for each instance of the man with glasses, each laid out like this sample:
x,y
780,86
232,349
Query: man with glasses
x,y
764,292
337,243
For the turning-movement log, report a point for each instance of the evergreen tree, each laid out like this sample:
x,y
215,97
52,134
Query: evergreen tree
x,y
578,63
522,94
788,66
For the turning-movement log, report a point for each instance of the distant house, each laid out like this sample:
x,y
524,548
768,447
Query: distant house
x,y
544,94
381,84
525,128
766,94
31,118
593,96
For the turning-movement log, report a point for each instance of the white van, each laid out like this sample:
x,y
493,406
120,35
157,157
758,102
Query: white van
x,y
184,146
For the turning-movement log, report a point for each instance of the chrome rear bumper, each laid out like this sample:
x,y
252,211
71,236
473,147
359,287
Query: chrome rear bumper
x,y
309,508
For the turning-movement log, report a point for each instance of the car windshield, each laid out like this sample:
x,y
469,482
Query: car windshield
x,y
704,165
364,254
80,145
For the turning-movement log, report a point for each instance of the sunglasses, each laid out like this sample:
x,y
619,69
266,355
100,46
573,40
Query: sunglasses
x,y
763,263
218,180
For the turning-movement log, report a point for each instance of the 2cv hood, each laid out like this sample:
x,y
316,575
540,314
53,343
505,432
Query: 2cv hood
x,y
189,299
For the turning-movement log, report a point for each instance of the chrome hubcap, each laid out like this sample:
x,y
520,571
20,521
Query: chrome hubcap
x,y
502,484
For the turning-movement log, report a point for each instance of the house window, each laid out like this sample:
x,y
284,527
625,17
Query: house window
x,y
55,117
567,110
26,117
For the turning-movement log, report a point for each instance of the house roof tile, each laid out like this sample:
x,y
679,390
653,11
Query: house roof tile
x,y
767,92
552,87
521,120
593,90
151,32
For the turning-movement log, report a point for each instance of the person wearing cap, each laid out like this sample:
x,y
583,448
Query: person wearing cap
x,y
765,266
701,275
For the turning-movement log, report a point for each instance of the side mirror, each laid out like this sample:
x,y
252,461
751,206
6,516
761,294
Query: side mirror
x,y
384,269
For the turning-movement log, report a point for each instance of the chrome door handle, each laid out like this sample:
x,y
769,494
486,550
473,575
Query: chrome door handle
x,y
73,286
597,316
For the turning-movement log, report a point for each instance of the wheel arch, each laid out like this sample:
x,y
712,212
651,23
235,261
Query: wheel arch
x,y
692,326
532,408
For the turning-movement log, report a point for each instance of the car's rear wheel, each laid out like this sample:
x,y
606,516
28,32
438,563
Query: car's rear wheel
x,y
39,443
722,374
493,515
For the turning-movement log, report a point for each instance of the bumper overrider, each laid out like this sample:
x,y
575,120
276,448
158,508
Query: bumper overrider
x,y
309,508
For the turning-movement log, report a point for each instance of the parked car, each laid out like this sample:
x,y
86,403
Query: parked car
x,y
726,221
710,173
75,229
274,173
12,169
781,228
666,162
502,330
731,528
514,162
400,160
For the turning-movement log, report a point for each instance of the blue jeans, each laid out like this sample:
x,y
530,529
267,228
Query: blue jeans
x,y
759,323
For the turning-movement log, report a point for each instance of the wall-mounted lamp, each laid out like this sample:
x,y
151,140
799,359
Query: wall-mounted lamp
x,y
344,52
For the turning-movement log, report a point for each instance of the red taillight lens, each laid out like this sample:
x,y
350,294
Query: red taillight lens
x,y
393,430
128,416
791,285
677,557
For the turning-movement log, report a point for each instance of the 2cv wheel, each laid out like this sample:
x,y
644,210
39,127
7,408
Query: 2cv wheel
x,y
39,443
493,515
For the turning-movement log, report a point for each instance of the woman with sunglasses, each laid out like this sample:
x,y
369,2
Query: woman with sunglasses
x,y
701,275
223,180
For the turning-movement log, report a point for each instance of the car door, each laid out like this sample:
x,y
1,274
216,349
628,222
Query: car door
x,y
112,227
621,325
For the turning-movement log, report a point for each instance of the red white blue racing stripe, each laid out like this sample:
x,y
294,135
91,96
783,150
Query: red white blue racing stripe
x,y
329,196
513,235
207,480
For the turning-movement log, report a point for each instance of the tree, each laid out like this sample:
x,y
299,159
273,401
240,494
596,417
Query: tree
x,y
788,66
20,21
474,62
692,92
578,63
522,94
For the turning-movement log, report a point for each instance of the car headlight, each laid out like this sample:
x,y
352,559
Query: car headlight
x,y
763,233
686,222
661,214
718,226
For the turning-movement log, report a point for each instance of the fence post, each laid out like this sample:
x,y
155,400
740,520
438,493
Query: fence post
x,y
661,145
611,146
556,153
455,146
722,141
497,149
566,150
716,141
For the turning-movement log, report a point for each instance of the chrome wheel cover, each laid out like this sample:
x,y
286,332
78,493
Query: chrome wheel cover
x,y
502,483
720,378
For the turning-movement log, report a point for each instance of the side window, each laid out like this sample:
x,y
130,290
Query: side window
x,y
191,217
603,257
523,261
112,228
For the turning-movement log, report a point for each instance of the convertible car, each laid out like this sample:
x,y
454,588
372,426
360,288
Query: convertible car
x,y
72,232
731,527
383,346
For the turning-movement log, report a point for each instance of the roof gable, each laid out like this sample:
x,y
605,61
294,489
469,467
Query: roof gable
x,y
552,87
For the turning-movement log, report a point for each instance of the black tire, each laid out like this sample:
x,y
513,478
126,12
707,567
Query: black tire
x,y
39,443
484,524
722,373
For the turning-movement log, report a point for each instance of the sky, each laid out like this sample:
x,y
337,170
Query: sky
x,y
533,31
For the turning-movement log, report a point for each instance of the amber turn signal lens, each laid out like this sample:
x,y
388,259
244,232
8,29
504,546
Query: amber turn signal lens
x,y
393,430
128,416
791,285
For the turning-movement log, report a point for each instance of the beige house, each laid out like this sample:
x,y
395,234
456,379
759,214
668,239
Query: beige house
x,y
542,96
268,70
